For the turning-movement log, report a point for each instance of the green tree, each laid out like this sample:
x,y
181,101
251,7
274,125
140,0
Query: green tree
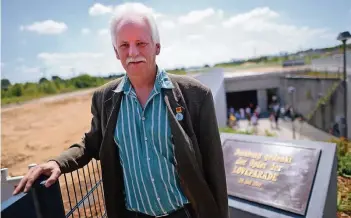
x,y
16,90
56,78
42,80
5,83
48,87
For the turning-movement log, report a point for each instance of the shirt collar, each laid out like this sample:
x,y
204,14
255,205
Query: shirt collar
x,y
162,81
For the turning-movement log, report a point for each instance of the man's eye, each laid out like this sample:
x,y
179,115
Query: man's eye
x,y
141,44
123,45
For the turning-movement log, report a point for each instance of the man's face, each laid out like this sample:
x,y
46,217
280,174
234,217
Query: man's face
x,y
135,48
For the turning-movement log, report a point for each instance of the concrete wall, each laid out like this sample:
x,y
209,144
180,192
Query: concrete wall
x,y
262,99
333,110
307,92
215,81
238,84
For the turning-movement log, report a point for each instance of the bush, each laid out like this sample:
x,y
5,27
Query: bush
x,y
48,88
22,92
269,134
344,165
230,130
344,156
16,90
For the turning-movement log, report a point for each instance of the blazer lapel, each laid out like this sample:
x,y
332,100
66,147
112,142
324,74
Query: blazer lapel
x,y
112,106
109,155
174,100
172,97
181,128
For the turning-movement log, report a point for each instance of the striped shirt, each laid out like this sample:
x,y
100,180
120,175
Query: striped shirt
x,y
143,136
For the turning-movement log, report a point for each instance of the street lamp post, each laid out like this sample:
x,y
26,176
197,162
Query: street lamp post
x,y
291,91
343,37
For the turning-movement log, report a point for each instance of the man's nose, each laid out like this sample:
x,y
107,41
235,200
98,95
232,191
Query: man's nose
x,y
133,51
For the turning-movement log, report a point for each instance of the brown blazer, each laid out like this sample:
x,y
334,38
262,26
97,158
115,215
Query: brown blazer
x,y
198,151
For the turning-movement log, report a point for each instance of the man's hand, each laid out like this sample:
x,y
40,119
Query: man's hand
x,y
50,168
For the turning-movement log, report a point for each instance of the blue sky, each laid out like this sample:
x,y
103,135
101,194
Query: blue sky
x,y
45,38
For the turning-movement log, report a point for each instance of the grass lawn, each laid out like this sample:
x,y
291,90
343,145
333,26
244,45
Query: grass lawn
x,y
248,65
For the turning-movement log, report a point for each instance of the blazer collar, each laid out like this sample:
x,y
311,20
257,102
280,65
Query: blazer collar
x,y
112,104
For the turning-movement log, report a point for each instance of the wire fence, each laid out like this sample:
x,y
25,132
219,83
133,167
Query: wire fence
x,y
82,192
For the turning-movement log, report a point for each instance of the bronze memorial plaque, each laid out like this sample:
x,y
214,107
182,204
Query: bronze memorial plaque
x,y
277,175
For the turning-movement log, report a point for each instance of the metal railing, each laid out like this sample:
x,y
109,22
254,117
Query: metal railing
x,y
75,194
82,192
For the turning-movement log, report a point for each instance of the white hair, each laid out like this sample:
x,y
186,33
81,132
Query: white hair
x,y
128,10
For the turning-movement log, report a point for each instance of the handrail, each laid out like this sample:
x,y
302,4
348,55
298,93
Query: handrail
x,y
30,204
324,99
42,202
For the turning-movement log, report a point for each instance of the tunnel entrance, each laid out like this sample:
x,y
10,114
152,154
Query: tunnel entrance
x,y
241,99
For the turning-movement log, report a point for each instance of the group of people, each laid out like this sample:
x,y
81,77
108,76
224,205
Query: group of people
x,y
250,113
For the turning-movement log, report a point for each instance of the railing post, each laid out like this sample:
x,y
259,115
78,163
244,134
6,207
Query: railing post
x,y
39,202
48,201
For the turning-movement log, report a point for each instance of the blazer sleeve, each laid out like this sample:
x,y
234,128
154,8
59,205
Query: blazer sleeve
x,y
80,154
212,155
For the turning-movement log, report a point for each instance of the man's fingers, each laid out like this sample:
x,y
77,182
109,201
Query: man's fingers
x,y
52,179
23,182
48,169
32,177
20,185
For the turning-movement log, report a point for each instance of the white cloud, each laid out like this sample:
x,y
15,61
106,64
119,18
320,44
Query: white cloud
x,y
194,17
85,31
28,70
167,24
20,59
135,5
88,62
256,15
46,27
100,9
195,37
103,32
54,57
217,36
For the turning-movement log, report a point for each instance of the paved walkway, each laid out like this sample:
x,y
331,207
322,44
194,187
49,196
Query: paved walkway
x,y
303,131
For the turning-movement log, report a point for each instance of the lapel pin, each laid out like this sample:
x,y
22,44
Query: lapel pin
x,y
179,116
179,109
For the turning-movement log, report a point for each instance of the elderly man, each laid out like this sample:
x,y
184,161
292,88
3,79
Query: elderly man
x,y
155,134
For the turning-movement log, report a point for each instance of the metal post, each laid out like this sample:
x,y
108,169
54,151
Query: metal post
x,y
293,115
343,37
345,89
292,91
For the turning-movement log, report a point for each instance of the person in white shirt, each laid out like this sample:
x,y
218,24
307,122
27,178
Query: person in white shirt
x,y
242,113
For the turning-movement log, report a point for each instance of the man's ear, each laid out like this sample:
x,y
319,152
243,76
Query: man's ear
x,y
158,48
117,56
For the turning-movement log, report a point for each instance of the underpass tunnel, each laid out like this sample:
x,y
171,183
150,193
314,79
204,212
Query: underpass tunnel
x,y
241,99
